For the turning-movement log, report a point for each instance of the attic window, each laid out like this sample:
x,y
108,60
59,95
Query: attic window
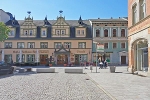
x,y
45,22
13,23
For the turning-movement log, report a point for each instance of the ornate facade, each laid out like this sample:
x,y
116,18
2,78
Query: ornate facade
x,y
63,41
112,33
139,35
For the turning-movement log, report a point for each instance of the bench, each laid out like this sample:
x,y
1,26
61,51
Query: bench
x,y
45,70
73,70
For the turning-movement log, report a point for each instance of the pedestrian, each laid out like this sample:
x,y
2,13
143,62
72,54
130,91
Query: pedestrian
x,y
101,65
105,64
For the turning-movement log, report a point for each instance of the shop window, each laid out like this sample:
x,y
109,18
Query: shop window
x,y
31,58
8,58
82,58
22,58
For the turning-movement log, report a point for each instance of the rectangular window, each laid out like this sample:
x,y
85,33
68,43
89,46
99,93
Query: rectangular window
x,y
57,32
43,33
82,58
78,32
57,44
44,45
8,44
20,45
25,32
18,58
31,58
31,44
114,45
11,33
8,58
105,45
67,44
63,32
82,31
31,32
123,45
81,45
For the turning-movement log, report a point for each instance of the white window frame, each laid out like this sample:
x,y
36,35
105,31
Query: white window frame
x,y
44,45
113,45
108,45
82,45
18,57
20,45
66,44
116,32
125,32
31,32
57,44
121,45
11,33
32,57
31,44
104,32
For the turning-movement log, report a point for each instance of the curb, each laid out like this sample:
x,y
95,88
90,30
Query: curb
x,y
106,92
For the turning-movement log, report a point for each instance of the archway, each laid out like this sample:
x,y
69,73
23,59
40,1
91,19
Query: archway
x,y
139,55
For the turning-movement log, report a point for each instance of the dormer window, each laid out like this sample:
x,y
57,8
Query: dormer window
x,y
31,32
78,31
25,32
11,33
82,31
13,23
63,32
43,33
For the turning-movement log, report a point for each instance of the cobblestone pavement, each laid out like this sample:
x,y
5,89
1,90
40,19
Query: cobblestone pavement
x,y
122,85
49,86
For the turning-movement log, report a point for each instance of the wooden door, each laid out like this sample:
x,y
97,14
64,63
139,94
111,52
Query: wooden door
x,y
43,59
61,59
123,59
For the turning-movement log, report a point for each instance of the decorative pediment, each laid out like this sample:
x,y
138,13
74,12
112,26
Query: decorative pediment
x,y
62,50
60,22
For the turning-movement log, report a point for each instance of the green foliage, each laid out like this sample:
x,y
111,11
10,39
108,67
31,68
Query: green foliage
x,y
4,30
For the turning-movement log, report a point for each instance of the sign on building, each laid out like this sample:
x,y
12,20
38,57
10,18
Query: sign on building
x,y
100,47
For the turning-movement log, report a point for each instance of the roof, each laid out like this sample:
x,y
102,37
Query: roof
x,y
109,20
70,22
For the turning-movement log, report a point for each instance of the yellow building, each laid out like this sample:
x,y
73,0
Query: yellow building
x,y
62,41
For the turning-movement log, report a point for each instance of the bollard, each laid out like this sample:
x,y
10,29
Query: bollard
x,y
91,68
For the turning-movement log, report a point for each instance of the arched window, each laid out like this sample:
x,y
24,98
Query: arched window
x,y
114,33
97,33
105,33
122,32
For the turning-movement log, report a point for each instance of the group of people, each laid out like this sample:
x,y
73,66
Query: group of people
x,y
103,64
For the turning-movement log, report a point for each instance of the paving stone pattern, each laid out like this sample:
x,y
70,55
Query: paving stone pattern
x,y
49,86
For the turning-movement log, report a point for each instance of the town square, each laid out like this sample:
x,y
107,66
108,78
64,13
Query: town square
x,y
60,51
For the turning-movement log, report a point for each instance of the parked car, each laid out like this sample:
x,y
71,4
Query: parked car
x,y
6,68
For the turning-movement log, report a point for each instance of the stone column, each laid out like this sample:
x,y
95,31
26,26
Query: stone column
x,y
101,32
109,32
119,32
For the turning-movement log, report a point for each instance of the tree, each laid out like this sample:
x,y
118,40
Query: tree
x,y
4,30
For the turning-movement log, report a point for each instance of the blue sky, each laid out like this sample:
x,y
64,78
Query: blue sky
x,y
72,9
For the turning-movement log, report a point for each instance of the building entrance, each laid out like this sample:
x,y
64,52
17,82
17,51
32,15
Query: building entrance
x,y
61,59
123,59
43,59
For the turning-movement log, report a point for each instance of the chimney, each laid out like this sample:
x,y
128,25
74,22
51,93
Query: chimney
x,y
98,18
111,18
119,17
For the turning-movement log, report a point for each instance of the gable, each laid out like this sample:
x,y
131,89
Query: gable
x,y
61,21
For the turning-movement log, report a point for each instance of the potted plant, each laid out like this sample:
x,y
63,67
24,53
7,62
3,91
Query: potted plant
x,y
50,64
65,64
